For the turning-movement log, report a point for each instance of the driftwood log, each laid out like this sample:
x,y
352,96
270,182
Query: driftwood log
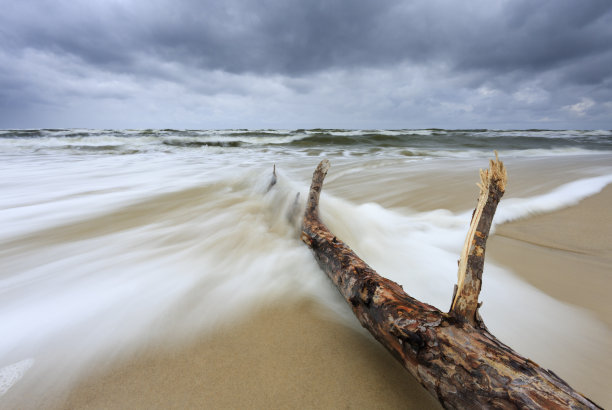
x,y
451,354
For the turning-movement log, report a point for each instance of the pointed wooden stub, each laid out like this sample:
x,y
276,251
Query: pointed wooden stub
x,y
315,188
273,180
465,300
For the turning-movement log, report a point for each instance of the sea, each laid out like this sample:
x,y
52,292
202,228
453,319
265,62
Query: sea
x,y
112,240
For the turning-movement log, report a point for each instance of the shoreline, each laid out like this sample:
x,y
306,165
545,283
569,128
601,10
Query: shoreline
x,y
290,355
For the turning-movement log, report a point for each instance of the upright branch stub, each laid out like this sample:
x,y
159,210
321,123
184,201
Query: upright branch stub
x,y
312,205
273,180
465,300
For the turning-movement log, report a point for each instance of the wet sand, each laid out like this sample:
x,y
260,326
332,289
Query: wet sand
x,y
291,356
566,254
282,357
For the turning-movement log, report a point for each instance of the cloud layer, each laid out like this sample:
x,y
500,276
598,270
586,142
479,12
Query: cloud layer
x,y
294,64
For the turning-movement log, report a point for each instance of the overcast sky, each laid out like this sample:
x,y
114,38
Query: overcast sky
x,y
306,63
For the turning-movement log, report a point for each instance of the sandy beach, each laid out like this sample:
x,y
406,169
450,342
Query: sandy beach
x,y
288,349
292,356
282,357
156,160
566,254
155,163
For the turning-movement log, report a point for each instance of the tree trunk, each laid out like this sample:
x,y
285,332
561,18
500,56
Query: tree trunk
x,y
452,354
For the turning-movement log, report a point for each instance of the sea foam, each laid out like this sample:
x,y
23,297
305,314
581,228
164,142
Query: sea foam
x,y
11,374
103,254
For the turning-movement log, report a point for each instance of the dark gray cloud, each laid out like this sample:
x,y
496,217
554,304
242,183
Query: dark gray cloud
x,y
295,37
535,36
510,62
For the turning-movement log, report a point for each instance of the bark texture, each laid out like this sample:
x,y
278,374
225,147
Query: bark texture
x,y
451,354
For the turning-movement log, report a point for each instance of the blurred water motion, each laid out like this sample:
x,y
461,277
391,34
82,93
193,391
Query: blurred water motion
x,y
111,241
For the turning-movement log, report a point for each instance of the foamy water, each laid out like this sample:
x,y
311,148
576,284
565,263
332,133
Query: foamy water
x,y
102,253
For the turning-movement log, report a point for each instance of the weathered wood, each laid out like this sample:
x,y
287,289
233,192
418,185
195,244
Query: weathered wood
x,y
469,278
457,360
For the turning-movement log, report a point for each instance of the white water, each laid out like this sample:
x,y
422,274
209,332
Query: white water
x,y
103,254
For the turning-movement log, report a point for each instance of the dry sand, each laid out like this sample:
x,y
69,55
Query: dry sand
x,y
292,357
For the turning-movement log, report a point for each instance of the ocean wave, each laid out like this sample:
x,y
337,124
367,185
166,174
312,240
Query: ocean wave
x,y
194,143
333,142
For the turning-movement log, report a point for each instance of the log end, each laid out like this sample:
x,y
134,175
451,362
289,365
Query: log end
x,y
323,166
496,177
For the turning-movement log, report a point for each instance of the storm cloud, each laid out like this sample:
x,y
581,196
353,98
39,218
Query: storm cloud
x,y
293,64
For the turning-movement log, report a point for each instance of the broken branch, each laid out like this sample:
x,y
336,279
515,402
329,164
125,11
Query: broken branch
x,y
465,300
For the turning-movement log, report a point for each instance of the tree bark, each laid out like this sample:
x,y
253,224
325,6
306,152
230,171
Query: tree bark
x,y
451,354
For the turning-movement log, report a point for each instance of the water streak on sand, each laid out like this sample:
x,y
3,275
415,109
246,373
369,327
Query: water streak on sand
x,y
11,374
